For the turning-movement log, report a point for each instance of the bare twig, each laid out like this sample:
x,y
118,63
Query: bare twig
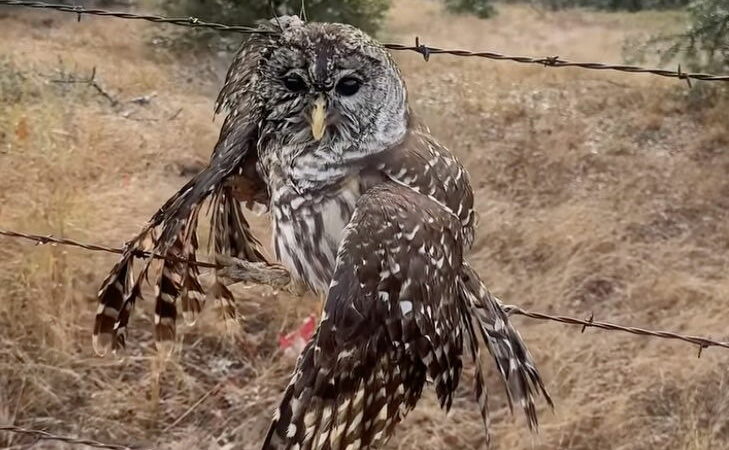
x,y
175,115
212,391
44,435
90,81
426,51
143,99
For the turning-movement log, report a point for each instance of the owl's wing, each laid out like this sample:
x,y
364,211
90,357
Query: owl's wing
x,y
391,319
172,232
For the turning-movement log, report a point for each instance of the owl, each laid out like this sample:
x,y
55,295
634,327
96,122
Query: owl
x,y
368,210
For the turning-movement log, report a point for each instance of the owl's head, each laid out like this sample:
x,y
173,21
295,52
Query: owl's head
x,y
328,84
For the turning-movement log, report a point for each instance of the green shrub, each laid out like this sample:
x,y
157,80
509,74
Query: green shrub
x,y
481,8
704,46
365,14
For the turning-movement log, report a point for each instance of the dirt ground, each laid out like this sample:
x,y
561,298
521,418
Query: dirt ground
x,y
602,193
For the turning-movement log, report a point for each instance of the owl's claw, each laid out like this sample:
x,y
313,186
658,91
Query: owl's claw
x,y
241,271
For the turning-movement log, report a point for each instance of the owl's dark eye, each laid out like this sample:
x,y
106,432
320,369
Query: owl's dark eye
x,y
294,83
348,86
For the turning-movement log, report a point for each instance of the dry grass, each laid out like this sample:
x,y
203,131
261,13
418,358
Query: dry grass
x,y
598,192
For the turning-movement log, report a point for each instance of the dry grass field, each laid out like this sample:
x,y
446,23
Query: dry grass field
x,y
602,193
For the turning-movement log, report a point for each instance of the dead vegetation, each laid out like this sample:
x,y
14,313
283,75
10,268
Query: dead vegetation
x,y
597,192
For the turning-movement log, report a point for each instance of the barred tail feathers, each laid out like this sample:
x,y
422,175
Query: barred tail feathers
x,y
112,295
173,279
192,297
118,295
230,235
514,362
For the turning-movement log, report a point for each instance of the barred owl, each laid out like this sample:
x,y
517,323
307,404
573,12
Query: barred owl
x,y
368,210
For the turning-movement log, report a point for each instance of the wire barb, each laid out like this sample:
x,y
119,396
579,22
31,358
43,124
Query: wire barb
x,y
422,49
555,61
590,320
181,21
50,239
426,51
700,341
39,434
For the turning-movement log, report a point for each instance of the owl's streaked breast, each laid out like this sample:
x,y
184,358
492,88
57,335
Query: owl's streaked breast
x,y
307,229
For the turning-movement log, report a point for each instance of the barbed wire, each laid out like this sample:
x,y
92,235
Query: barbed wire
x,y
193,22
701,342
53,240
424,50
39,434
556,61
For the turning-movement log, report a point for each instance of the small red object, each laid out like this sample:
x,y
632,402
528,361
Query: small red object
x,y
297,339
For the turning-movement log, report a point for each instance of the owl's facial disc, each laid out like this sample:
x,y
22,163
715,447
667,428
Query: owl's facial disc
x,y
331,86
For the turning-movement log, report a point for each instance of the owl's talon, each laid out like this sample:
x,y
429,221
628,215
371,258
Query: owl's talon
x,y
241,271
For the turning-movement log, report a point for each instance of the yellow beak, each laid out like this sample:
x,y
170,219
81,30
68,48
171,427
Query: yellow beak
x,y
319,118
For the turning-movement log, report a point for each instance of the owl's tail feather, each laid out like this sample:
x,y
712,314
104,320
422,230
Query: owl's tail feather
x,y
178,278
171,227
518,371
354,403
173,278
114,302
192,295
118,295
230,235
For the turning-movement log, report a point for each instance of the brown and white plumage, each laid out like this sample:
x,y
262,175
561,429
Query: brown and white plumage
x,y
368,210
172,229
402,305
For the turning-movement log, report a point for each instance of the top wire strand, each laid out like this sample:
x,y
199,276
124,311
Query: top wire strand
x,y
181,21
424,50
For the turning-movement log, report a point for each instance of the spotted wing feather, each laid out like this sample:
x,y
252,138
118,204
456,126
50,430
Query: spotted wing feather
x,y
234,156
383,330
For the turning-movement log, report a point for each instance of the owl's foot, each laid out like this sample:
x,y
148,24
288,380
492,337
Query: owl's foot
x,y
240,271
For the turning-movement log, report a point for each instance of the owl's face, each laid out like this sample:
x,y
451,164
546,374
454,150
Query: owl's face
x,y
331,86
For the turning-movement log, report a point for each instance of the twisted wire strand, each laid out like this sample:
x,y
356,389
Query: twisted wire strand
x,y
424,50
701,342
50,239
39,434
556,61
181,21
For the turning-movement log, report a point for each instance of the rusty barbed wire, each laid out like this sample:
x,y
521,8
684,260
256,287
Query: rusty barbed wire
x,y
44,435
556,61
424,50
50,239
193,22
701,342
